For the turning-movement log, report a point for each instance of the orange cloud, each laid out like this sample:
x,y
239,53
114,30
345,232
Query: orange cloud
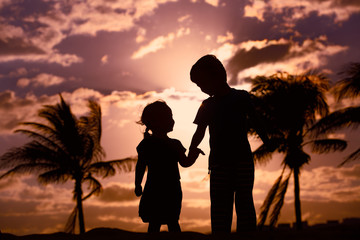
x,y
341,9
42,79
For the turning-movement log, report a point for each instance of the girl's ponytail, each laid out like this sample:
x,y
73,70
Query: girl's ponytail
x,y
146,133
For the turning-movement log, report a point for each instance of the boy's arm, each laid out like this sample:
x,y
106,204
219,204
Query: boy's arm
x,y
198,136
194,151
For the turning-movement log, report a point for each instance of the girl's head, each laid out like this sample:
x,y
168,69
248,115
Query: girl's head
x,y
157,117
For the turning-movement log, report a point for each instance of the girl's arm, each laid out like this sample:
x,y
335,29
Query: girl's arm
x,y
194,151
139,174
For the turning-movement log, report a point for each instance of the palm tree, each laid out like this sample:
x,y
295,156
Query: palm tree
x,y
290,104
347,87
65,148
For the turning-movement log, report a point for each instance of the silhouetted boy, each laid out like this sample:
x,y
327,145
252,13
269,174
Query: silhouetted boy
x,y
228,113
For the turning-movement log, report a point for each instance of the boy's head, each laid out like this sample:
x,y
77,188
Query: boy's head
x,y
208,73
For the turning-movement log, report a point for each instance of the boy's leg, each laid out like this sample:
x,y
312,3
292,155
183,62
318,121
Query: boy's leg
x,y
245,212
154,227
174,226
244,203
222,200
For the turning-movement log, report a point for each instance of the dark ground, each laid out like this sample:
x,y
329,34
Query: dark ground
x,y
333,233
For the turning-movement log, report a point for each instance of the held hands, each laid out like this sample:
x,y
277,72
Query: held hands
x,y
138,190
192,156
195,152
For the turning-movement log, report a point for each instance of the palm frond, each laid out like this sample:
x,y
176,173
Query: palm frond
x,y
328,145
107,168
103,169
70,223
279,202
353,156
349,86
26,168
346,117
51,114
92,121
124,165
262,155
58,175
49,141
32,152
94,185
48,131
92,150
264,152
265,207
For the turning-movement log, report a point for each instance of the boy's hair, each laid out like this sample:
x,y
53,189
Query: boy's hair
x,y
208,65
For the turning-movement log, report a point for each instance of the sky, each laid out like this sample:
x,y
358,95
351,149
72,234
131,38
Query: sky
x,y
127,53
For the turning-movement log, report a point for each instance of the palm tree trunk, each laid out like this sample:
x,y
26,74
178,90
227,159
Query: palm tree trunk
x,y
78,192
297,199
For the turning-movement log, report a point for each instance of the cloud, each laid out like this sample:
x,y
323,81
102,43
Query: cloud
x,y
153,46
105,59
42,79
265,57
14,109
64,60
214,3
159,43
31,44
19,72
341,9
256,9
55,21
22,218
17,46
228,37
117,193
330,184
247,59
5,183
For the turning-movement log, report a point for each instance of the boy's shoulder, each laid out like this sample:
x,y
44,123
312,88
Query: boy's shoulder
x,y
240,92
242,95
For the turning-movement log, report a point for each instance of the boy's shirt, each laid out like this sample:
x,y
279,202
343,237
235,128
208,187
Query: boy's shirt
x,y
227,118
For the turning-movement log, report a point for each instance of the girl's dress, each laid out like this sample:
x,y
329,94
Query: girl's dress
x,y
162,195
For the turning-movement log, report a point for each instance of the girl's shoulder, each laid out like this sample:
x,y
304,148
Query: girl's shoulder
x,y
145,143
177,144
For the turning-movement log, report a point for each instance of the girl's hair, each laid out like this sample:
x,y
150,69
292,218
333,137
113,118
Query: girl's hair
x,y
153,113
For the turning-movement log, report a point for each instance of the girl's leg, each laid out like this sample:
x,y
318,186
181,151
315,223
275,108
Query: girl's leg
x,y
174,226
154,227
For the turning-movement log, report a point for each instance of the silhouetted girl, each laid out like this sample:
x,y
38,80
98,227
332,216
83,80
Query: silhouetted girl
x,y
161,199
